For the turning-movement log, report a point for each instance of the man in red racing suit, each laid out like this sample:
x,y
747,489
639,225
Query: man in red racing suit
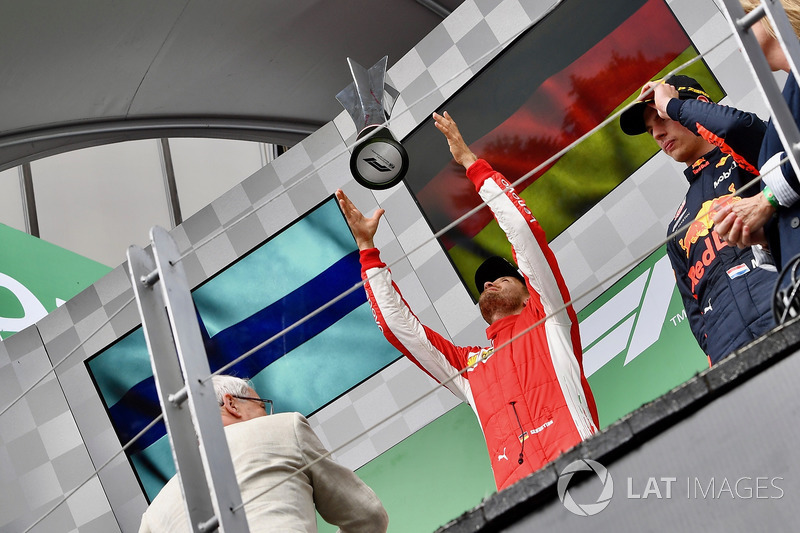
x,y
527,388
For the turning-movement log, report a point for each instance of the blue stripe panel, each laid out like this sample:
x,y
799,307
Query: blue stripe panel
x,y
308,377
305,266
287,262
303,380
121,366
155,466
249,333
139,405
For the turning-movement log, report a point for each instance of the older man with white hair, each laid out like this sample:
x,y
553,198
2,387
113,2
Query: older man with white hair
x,y
267,450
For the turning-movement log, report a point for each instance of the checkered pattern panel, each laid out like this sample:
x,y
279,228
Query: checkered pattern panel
x,y
43,455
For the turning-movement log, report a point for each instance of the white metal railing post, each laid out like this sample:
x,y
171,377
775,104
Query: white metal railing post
x,y
740,23
181,371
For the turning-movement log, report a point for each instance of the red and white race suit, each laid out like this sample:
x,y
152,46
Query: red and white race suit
x,y
530,394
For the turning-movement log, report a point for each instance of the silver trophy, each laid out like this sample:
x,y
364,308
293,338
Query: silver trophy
x,y
379,161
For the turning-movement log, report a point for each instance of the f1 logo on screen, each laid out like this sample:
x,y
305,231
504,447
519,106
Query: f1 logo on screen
x,y
649,303
636,339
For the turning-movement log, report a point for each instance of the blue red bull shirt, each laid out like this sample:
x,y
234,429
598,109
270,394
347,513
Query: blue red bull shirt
x,y
726,290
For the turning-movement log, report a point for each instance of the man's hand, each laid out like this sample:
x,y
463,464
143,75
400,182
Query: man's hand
x,y
661,93
461,152
363,228
742,223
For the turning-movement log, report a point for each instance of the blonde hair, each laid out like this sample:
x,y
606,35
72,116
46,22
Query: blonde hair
x,y
792,8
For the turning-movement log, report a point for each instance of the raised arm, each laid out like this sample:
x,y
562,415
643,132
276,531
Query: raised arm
x,y
529,244
429,350
461,152
735,132
363,228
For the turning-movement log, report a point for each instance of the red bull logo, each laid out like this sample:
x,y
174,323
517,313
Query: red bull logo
x,y
698,270
704,221
699,165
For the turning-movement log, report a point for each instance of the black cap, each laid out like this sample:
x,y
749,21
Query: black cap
x,y
494,268
632,119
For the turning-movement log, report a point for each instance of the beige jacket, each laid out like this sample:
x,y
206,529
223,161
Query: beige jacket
x,y
266,450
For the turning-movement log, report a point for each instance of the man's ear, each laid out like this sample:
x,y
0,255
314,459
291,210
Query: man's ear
x,y
230,407
703,98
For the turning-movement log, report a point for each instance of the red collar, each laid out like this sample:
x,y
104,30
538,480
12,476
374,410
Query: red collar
x,y
506,322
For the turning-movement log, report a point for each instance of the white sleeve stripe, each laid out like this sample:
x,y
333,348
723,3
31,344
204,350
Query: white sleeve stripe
x,y
408,331
568,374
530,257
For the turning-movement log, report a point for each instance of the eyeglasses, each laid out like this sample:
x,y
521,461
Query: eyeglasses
x,y
256,399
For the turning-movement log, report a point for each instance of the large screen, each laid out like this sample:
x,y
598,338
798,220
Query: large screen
x,y
294,273
560,80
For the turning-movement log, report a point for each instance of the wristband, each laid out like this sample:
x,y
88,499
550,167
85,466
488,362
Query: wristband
x,y
770,197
